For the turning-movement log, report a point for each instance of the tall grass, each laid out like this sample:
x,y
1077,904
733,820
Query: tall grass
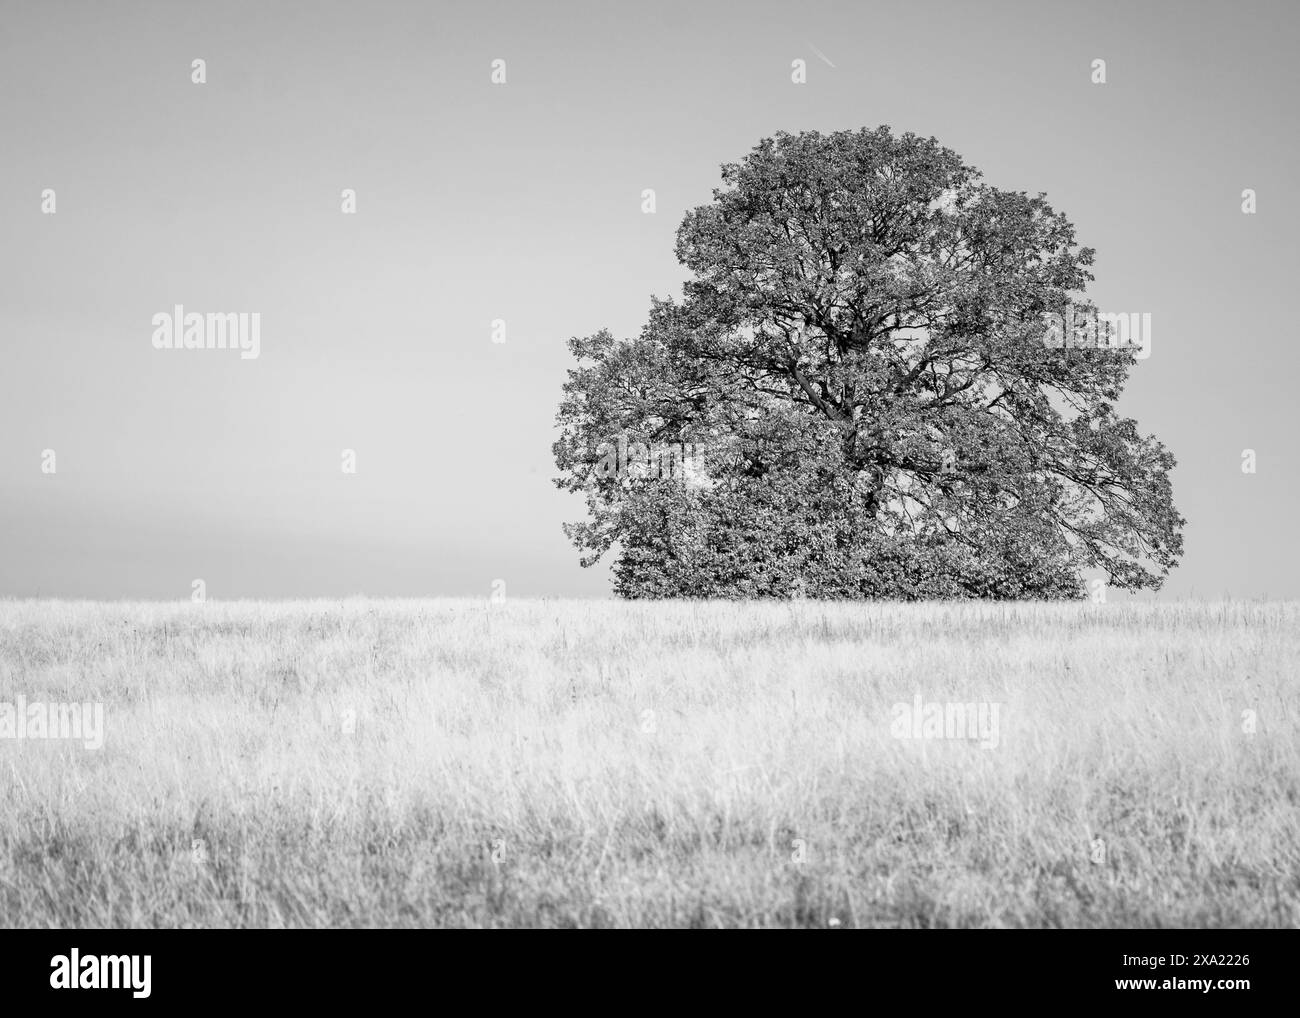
x,y
535,763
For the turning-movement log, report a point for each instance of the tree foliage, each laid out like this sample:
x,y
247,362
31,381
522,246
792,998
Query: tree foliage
x,y
862,363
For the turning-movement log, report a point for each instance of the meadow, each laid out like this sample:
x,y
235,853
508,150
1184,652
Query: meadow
x,y
596,764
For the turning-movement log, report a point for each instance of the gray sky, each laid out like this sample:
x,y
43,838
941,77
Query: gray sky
x,y
522,202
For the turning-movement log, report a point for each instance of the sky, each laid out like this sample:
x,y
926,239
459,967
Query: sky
x,y
521,203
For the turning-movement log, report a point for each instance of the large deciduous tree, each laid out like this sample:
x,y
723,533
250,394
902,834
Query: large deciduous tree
x,y
862,378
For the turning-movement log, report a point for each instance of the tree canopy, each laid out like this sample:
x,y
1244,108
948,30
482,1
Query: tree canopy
x,y
861,381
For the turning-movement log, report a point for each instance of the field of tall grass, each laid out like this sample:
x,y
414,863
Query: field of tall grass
x,y
569,763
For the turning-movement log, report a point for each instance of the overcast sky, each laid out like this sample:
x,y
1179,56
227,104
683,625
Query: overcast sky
x,y
523,202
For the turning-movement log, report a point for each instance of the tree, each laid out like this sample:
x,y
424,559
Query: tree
x,y
867,367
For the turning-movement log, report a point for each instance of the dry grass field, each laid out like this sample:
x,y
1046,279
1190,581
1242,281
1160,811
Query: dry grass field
x,y
568,763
